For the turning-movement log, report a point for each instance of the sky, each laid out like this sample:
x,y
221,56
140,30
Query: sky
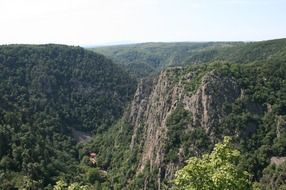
x,y
99,22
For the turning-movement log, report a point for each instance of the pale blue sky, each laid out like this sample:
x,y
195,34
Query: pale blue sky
x,y
91,22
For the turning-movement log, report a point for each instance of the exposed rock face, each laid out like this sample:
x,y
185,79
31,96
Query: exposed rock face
x,y
278,160
281,125
206,104
139,106
150,112
155,100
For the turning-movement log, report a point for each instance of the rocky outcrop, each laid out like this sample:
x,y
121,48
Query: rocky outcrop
x,y
277,160
155,100
138,107
150,112
206,105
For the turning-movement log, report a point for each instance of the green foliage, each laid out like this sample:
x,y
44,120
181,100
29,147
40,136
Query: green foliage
x,y
114,156
179,136
217,170
45,92
242,52
143,60
195,74
176,124
256,120
253,118
273,177
61,185
261,77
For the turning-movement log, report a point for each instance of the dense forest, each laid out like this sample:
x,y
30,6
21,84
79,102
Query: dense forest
x,y
71,117
46,92
147,59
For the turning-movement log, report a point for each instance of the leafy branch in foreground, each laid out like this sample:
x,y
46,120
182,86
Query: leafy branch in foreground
x,y
215,171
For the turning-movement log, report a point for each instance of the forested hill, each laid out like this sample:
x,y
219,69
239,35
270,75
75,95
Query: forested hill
x,y
243,53
48,93
149,58
45,91
237,91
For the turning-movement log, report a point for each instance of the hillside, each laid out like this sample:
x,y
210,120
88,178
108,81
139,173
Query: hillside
x,y
184,111
243,53
147,59
46,92
71,115
150,58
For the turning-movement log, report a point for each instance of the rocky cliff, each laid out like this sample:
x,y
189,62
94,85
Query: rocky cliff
x,y
156,100
184,111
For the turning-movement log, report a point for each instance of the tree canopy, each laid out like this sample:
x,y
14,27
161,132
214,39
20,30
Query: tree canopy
x,y
46,91
215,171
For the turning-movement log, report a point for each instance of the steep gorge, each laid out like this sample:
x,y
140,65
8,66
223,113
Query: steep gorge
x,y
183,111
55,96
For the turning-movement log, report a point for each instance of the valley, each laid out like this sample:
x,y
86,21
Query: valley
x,y
130,116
